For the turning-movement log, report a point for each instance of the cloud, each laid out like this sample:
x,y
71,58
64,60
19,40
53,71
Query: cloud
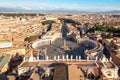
x,y
26,8
44,6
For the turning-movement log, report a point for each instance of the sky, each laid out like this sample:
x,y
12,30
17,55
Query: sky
x,y
84,5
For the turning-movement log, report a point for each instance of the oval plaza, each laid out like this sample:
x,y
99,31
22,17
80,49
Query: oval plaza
x,y
55,47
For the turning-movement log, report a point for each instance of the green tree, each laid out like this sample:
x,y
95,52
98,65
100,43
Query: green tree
x,y
31,38
48,22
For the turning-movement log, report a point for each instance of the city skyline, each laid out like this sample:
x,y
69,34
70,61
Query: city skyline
x,y
59,40
83,5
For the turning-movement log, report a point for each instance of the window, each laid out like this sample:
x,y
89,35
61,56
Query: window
x,y
23,70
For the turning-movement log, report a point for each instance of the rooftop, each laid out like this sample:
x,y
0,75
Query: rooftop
x,y
29,64
35,76
4,41
75,73
4,60
109,65
60,72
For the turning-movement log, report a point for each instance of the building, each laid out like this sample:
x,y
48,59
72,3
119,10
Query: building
x,y
109,69
50,18
115,50
26,66
13,51
5,44
4,62
68,69
75,73
60,72
35,76
68,72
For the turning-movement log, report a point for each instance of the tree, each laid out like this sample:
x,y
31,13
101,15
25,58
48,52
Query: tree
x,y
48,22
31,38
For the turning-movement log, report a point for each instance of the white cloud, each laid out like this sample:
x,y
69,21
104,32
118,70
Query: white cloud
x,y
43,6
26,8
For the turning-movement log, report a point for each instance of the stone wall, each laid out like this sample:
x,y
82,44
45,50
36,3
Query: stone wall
x,y
97,48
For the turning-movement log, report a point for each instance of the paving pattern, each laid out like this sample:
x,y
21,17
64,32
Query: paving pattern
x,y
55,49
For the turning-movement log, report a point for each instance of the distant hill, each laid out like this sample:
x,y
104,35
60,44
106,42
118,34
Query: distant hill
x,y
113,12
107,12
10,10
59,10
49,11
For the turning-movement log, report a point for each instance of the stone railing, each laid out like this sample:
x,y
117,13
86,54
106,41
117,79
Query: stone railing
x,y
46,40
39,43
97,48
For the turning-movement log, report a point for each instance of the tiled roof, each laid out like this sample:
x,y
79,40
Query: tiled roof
x,y
35,76
68,72
4,60
29,64
74,73
60,72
